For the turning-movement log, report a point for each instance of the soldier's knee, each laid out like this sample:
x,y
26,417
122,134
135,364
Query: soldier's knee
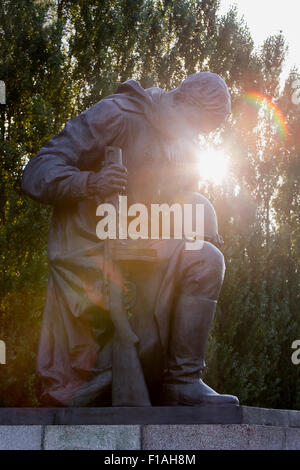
x,y
209,254
204,270
215,259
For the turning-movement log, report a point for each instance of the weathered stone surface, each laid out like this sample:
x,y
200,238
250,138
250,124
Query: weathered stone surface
x,y
210,414
92,437
219,437
20,437
182,437
292,438
266,437
166,428
270,417
151,437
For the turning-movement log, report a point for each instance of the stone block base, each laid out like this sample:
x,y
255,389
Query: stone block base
x,y
167,428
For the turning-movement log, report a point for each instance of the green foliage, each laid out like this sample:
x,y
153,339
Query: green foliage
x,y
58,57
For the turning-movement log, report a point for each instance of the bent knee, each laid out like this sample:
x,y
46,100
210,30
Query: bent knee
x,y
208,255
215,258
205,267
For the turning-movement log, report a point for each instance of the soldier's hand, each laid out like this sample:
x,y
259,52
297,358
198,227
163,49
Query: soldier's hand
x,y
110,179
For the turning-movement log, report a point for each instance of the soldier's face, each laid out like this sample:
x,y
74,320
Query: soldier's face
x,y
183,119
196,121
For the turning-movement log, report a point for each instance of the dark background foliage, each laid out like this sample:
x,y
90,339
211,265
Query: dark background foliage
x,y
58,57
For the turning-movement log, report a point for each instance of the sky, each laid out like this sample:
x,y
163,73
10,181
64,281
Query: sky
x,y
266,17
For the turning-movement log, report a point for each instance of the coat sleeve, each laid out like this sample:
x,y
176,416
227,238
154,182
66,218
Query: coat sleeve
x,y
58,172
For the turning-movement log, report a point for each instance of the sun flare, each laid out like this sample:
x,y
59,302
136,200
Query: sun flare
x,y
213,166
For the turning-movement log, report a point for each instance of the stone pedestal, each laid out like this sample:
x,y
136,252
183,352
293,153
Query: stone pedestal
x,y
153,428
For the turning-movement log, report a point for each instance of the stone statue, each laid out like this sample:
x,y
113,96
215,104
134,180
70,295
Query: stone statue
x,y
170,294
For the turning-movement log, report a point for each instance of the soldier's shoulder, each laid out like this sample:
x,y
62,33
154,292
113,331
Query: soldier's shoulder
x,y
107,105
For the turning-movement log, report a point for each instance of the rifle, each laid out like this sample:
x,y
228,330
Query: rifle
x,y
128,383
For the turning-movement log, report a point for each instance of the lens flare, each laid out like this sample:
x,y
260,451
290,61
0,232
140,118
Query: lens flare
x,y
213,165
275,114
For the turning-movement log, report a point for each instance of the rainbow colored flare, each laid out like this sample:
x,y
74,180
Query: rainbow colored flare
x,y
275,113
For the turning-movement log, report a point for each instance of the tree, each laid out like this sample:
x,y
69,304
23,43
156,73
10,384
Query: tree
x,y
57,58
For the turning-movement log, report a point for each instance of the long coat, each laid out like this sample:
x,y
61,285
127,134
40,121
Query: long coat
x,y
75,350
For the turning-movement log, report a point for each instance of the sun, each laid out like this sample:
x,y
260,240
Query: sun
x,y
213,165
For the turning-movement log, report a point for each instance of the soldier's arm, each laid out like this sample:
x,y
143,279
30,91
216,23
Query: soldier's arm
x,y
62,169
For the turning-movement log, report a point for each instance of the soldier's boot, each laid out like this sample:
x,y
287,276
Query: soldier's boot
x,y
191,326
